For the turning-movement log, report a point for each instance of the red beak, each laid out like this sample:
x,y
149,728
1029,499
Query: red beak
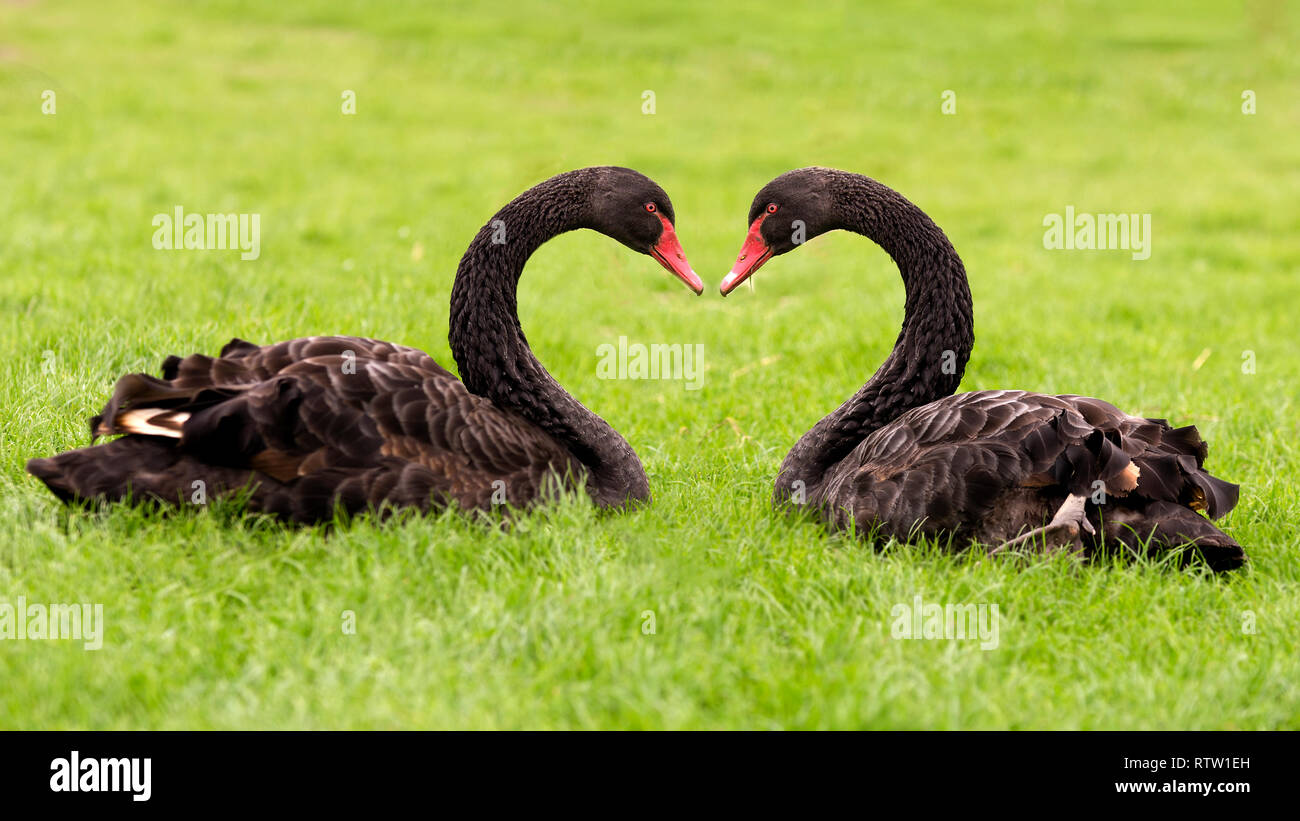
x,y
670,255
753,254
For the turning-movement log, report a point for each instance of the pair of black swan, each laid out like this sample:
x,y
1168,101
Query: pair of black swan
x,y
906,457
309,426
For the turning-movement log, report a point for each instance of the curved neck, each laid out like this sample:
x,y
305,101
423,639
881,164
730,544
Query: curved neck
x,y
933,346
492,353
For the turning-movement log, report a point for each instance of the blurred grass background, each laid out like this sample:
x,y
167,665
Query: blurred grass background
x,y
214,621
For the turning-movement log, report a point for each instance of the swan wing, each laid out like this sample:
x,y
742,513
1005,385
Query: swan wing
x,y
310,425
949,464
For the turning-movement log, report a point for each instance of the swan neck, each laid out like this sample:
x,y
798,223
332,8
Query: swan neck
x,y
493,355
933,346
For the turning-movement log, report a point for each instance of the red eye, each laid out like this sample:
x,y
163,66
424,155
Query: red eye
x,y
650,206
771,208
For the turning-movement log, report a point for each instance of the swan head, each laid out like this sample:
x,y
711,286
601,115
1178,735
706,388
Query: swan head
x,y
630,207
786,213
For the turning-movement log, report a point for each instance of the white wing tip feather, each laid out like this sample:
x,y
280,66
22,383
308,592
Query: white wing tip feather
x,y
151,422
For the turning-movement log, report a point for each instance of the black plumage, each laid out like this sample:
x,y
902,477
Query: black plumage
x,y
905,457
311,426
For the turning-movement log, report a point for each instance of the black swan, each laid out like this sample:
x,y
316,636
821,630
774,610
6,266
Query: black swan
x,y
308,426
905,457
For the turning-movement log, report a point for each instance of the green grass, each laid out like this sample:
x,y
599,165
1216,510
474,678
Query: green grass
x,y
216,621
